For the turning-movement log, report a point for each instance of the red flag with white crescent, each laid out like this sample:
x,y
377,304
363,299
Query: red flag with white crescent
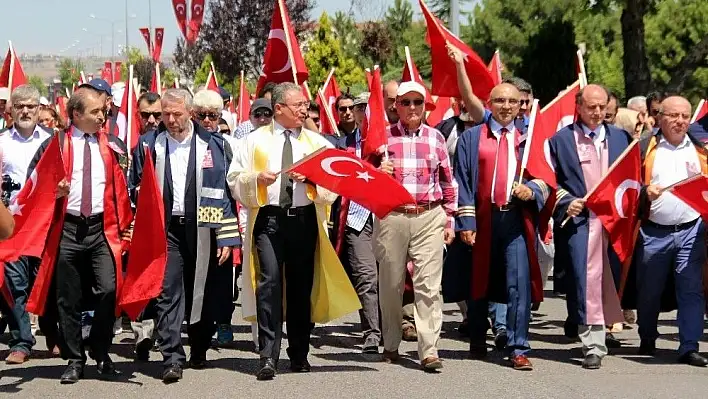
x,y
107,72
180,9
12,73
195,21
145,32
345,174
615,200
283,61
373,127
560,112
157,50
694,192
117,71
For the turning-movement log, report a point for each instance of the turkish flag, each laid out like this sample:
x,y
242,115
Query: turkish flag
x,y
345,174
195,21
244,101
444,69
615,201
180,9
373,127
330,92
496,67
701,111
148,40
444,109
12,74
411,74
148,248
117,71
211,83
157,50
694,192
107,72
61,107
33,208
128,119
560,112
283,60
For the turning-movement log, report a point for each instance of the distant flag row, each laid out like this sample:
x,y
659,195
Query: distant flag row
x,y
154,48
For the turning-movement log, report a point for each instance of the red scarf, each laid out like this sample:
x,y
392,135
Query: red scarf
x,y
117,216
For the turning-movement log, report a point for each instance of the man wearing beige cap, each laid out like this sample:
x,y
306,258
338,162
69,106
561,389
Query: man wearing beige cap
x,y
416,156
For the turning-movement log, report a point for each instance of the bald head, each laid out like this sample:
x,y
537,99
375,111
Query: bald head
x,y
675,118
390,90
504,103
591,105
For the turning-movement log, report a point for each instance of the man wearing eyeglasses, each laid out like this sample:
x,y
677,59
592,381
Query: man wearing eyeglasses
x,y
671,244
417,157
18,146
497,216
286,240
345,109
582,153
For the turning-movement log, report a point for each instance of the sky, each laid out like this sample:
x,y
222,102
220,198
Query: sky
x,y
66,27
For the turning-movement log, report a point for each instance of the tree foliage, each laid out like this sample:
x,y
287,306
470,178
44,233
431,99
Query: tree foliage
x,y
441,8
69,71
38,83
399,18
143,69
235,33
325,52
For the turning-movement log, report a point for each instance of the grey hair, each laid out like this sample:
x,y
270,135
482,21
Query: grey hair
x,y
637,100
208,99
178,95
280,91
25,93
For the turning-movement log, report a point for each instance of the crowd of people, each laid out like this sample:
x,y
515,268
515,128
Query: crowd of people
x,y
472,236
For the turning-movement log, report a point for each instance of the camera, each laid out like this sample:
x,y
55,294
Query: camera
x,y
8,186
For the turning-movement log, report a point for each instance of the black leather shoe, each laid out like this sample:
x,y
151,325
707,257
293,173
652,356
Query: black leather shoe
x,y
300,366
107,368
647,348
72,375
142,350
171,374
500,340
197,362
612,342
693,358
267,371
478,351
592,362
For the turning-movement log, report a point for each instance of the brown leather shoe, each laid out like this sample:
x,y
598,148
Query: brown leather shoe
x,y
521,362
390,356
431,363
16,357
410,333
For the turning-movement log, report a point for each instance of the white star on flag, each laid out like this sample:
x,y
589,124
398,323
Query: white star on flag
x,y
15,209
364,176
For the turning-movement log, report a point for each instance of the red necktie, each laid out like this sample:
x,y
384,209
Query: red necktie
x,y
86,180
502,169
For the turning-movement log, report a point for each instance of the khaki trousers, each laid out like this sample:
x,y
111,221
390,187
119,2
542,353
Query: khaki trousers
x,y
398,238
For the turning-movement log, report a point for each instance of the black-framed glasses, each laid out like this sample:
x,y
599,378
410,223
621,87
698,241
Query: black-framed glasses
x,y
300,105
407,103
204,115
345,108
263,114
147,115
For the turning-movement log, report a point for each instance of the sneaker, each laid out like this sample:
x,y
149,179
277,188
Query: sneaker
x,y
118,326
224,334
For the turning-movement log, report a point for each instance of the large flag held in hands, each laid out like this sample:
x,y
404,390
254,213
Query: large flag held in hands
x,y
12,74
373,128
615,201
694,192
148,249
33,208
444,69
283,60
345,174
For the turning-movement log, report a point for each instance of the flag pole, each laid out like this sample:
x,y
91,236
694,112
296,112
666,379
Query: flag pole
x,y
213,72
326,82
581,65
129,117
328,111
83,77
698,110
614,165
307,89
408,63
158,84
286,29
529,137
12,66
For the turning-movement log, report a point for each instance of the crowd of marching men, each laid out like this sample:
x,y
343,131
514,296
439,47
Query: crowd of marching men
x,y
140,205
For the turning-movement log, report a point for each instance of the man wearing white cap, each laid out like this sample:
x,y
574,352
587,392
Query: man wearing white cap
x,y
417,158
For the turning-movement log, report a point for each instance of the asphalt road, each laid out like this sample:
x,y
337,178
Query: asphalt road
x,y
341,371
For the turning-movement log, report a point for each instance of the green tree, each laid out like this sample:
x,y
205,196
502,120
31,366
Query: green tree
x,y
202,74
326,53
377,46
441,8
399,18
347,32
69,71
38,83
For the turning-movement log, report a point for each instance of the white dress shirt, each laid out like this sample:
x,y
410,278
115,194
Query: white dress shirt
x,y
598,139
671,165
511,167
275,157
17,153
179,162
98,174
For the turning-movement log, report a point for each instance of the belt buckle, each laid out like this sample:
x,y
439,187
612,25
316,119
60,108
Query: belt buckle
x,y
181,220
504,208
290,212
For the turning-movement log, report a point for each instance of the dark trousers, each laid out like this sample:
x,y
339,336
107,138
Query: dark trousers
x,y
363,272
176,297
224,298
509,250
286,248
19,277
85,275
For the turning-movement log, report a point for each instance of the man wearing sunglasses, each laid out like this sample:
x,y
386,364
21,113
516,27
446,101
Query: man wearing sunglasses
x,y
261,113
206,109
418,159
150,108
345,111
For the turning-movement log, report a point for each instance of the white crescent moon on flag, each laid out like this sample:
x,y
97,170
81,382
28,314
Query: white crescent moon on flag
x,y
565,121
33,178
619,194
198,9
328,162
547,154
180,8
705,196
279,34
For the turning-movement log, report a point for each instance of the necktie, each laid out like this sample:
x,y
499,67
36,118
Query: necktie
x,y
86,180
502,167
286,184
